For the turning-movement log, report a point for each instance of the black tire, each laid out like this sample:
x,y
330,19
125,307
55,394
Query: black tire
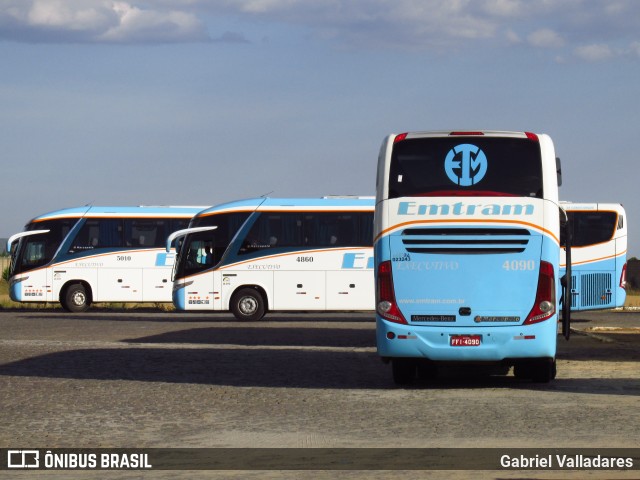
x,y
76,299
540,371
544,371
522,370
248,305
404,371
427,371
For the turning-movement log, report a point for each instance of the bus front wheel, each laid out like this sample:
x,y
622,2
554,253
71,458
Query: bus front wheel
x,y
248,305
76,298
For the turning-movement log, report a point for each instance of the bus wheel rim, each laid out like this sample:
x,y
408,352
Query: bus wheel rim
x,y
79,298
248,305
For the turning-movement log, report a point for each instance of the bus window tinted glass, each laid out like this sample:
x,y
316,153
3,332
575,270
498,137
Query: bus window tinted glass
x,y
145,233
588,228
98,234
466,166
303,230
38,250
205,249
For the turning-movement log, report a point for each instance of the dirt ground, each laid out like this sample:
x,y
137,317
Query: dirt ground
x,y
164,380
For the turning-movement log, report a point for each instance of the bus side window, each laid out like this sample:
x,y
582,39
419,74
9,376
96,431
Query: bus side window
x,y
98,234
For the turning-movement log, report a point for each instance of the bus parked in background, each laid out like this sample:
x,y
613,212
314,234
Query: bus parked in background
x,y
82,255
599,255
257,255
467,249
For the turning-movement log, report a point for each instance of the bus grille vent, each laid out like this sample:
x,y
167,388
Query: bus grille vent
x,y
465,240
595,290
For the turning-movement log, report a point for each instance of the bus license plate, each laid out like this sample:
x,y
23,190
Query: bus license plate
x,y
464,340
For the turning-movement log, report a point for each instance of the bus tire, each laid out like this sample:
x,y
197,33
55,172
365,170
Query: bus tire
x,y
522,370
75,298
427,371
248,305
404,371
544,371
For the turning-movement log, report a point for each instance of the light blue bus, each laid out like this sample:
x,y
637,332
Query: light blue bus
x,y
467,249
599,254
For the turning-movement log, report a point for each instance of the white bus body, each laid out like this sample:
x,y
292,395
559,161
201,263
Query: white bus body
x,y
83,255
266,254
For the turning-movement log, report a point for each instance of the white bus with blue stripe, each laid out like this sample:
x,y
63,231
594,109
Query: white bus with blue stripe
x,y
467,249
599,255
82,255
264,254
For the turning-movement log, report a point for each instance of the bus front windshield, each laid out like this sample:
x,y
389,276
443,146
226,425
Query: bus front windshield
x,y
466,166
38,250
203,250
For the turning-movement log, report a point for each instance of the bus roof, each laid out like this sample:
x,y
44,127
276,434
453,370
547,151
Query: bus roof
x,y
468,133
588,206
105,212
267,203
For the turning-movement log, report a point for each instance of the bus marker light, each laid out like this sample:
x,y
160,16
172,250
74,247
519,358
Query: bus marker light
x,y
466,134
623,277
532,136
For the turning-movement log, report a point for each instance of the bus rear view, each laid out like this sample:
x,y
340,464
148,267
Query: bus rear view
x,y
467,252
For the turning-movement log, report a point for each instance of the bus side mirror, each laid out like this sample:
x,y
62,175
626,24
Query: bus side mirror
x,y
559,171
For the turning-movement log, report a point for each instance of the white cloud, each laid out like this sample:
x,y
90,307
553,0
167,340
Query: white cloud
x,y
148,25
95,21
545,38
86,16
594,52
512,37
569,27
504,8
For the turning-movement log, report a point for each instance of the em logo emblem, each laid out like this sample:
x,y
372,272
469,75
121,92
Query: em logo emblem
x,y
465,165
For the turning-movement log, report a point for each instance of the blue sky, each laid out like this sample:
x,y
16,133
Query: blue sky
x,y
195,102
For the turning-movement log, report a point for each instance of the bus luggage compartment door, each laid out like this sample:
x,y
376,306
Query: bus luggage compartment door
x,y
299,290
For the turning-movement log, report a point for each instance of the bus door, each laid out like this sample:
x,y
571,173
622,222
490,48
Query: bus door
x,y
200,291
30,251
